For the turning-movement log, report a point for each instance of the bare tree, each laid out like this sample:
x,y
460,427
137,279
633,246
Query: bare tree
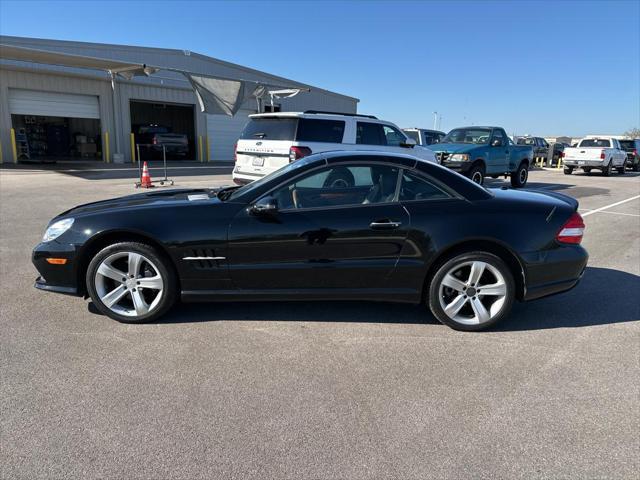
x,y
632,133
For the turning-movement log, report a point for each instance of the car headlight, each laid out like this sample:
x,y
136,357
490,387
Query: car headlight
x,y
57,229
459,157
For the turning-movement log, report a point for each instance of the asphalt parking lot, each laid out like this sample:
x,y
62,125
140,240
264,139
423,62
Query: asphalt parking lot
x,y
298,390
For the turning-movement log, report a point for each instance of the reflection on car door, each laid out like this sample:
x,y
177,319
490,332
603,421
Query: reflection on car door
x,y
333,230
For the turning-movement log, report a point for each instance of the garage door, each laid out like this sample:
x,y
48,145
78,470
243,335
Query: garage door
x,y
53,104
223,132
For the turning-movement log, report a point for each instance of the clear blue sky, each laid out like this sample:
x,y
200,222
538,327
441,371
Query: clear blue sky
x,y
547,68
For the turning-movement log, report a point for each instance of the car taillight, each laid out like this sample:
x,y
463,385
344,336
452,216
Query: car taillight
x,y
602,155
635,153
572,230
155,140
296,153
235,152
561,154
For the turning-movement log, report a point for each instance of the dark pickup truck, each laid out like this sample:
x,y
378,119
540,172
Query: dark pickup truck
x,y
480,151
152,138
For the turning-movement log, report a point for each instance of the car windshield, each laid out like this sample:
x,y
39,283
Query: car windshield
x,y
595,142
478,136
249,187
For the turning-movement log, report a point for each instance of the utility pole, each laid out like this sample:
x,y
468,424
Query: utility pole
x,y
435,120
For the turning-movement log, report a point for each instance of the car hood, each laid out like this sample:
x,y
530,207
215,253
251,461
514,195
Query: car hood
x,y
453,147
152,199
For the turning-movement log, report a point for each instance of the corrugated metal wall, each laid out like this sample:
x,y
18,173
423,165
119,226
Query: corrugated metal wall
x,y
163,87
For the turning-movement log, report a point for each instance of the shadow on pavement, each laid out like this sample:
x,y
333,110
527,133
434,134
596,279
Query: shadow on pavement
x,y
604,296
110,171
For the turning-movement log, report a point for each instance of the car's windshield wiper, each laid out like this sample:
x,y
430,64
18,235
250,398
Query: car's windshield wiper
x,y
224,193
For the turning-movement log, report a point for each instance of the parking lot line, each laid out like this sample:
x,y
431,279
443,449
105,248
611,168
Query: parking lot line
x,y
615,213
606,207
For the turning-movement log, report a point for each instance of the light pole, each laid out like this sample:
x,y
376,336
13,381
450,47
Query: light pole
x,y
435,120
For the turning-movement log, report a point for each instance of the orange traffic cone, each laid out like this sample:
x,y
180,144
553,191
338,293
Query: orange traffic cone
x,y
145,181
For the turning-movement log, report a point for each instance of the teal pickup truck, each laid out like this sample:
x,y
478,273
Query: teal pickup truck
x,y
477,152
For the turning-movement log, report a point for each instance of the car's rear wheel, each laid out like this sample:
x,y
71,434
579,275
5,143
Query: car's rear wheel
x,y
587,169
606,171
476,174
131,282
520,176
472,291
568,170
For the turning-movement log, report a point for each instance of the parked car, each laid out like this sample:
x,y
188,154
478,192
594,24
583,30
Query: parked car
x,y
152,138
557,149
539,145
403,230
424,136
632,147
271,141
600,153
480,151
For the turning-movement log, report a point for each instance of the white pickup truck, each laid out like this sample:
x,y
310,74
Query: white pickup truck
x,y
601,153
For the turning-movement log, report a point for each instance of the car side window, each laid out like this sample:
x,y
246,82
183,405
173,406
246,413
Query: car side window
x,y
498,135
368,133
340,185
416,187
393,136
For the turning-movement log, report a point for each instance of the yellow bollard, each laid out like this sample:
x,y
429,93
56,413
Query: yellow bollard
x,y
200,147
208,150
13,146
106,147
560,163
133,148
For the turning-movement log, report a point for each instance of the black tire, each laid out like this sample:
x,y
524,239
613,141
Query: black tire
x,y
340,178
520,176
621,170
568,170
586,169
476,173
636,167
606,171
434,300
159,263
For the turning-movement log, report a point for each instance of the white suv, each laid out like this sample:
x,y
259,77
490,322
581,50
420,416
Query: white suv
x,y
270,141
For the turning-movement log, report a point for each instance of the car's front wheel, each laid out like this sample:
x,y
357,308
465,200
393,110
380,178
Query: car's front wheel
x,y
476,174
131,282
472,291
568,170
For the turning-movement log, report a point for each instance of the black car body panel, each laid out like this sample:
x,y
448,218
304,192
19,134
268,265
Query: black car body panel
x,y
328,252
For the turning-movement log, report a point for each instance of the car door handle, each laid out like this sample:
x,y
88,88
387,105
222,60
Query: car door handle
x,y
384,225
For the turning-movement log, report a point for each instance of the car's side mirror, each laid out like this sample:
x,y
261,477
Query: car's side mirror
x,y
496,142
408,143
264,206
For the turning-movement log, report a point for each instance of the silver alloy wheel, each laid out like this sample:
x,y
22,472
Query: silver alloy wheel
x,y
472,293
477,177
134,292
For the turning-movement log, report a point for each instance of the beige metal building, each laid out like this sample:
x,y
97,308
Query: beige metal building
x,y
51,111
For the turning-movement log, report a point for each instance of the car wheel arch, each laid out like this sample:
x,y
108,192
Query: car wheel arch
x,y
485,245
110,237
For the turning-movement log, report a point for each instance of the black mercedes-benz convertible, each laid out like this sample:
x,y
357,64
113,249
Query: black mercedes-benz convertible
x,y
332,226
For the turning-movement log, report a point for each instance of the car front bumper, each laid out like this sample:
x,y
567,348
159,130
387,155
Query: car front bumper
x,y
56,278
553,271
460,167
